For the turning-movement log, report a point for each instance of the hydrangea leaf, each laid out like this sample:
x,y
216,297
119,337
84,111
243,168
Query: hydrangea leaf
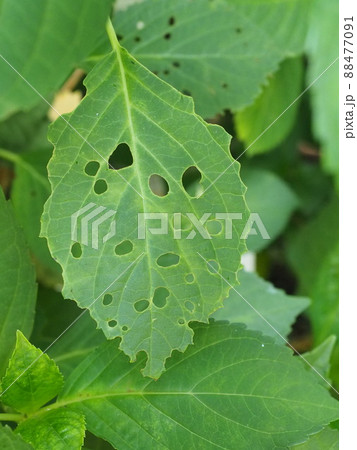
x,y
60,429
282,88
10,441
152,299
31,380
233,389
17,281
219,51
278,308
25,27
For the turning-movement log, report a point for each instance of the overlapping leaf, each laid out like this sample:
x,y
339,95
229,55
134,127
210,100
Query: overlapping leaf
x,y
254,299
17,281
151,301
218,51
233,389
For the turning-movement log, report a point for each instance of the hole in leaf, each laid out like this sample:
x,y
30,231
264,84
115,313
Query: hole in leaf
x,y
124,248
140,25
137,38
100,187
186,92
166,72
167,36
176,64
124,328
158,185
168,260
92,168
76,250
189,306
121,157
141,305
112,323
213,266
160,296
107,299
190,181
181,222
181,321
190,278
172,21
214,227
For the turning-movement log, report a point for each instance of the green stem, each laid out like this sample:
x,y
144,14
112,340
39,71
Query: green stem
x,y
112,35
17,160
10,417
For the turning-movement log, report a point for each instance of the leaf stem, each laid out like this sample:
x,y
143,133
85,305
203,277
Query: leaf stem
x,y
112,35
10,417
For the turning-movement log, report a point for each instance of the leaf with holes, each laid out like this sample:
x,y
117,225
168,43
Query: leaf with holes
x,y
234,389
134,145
220,52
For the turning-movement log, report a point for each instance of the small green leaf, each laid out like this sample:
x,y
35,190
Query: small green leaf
x,y
127,107
282,88
59,429
31,380
327,439
278,308
320,357
10,441
220,52
51,37
17,281
274,201
233,389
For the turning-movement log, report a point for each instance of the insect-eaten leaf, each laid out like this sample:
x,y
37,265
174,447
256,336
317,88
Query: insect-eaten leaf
x,y
126,160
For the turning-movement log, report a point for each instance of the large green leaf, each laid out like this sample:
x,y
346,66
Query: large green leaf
x,y
43,41
219,51
17,283
10,441
30,190
322,49
274,201
31,379
61,429
255,299
233,389
153,299
256,125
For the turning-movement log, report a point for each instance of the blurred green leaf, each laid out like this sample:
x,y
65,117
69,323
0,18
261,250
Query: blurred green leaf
x,y
17,282
282,88
320,357
10,441
44,40
271,198
254,296
219,52
322,50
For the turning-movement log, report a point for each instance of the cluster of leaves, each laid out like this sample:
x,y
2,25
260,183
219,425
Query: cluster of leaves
x,y
180,347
